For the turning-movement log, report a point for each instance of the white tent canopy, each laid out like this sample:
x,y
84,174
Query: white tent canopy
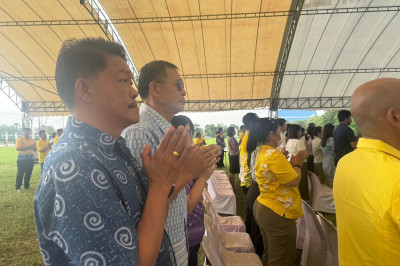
x,y
287,54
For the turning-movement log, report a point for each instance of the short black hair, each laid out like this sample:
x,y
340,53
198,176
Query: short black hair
x,y
263,128
281,121
219,129
197,134
41,131
293,130
26,128
152,71
317,130
182,120
343,114
247,119
60,130
241,127
230,131
82,58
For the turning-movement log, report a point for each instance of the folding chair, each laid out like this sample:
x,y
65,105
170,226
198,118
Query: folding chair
x,y
218,255
315,246
227,223
322,195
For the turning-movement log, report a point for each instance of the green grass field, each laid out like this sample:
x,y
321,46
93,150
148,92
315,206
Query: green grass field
x,y
18,239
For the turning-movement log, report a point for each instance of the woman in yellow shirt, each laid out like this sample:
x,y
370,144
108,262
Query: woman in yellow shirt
x,y
279,204
199,141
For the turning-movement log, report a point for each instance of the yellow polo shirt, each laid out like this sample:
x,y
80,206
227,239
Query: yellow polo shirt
x,y
367,198
23,142
245,177
241,136
200,141
41,144
273,171
55,140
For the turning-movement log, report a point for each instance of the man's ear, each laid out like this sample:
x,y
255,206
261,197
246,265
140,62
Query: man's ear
x,y
82,90
393,116
153,90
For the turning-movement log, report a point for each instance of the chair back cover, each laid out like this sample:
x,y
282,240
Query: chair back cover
x,y
214,234
322,195
212,252
331,240
315,246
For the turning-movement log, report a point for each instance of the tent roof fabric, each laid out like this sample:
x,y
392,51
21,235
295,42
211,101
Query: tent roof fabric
x,y
287,54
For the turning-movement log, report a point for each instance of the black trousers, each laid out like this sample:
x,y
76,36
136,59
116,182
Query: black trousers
x,y
193,251
221,162
255,234
25,168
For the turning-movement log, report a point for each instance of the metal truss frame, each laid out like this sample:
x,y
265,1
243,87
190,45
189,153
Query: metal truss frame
x,y
11,93
287,13
107,26
251,74
312,103
284,54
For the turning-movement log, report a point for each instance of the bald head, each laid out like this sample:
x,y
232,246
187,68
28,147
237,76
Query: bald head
x,y
371,104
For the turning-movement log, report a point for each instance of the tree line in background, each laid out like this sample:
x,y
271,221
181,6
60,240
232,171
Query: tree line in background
x,y
210,130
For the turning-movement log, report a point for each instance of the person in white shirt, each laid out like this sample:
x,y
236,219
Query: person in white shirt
x,y
318,156
293,146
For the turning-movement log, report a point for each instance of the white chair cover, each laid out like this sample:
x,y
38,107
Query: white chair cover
x,y
221,192
238,242
315,247
322,195
301,232
331,241
219,256
228,223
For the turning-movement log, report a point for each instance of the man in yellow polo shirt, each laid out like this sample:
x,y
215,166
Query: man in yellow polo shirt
x,y
26,147
43,147
59,133
367,181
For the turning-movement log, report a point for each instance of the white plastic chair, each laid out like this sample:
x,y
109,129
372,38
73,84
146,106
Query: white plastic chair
x,y
218,255
315,246
238,242
331,241
322,195
227,223
301,232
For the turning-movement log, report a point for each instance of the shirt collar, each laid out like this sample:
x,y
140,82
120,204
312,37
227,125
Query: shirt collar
x,y
79,129
158,119
378,145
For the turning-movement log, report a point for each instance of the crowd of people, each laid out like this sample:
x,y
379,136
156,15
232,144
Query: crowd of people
x,y
124,187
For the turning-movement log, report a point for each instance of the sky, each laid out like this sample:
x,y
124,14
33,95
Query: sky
x,y
10,114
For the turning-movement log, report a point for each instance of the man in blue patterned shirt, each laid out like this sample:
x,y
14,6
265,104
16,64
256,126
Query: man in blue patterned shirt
x,y
95,204
162,90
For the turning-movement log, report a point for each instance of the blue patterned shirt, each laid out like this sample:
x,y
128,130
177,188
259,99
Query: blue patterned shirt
x,y
90,200
150,130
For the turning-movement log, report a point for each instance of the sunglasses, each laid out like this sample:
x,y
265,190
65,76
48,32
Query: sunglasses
x,y
180,84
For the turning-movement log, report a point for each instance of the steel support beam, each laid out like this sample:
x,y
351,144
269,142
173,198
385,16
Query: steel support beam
x,y
287,13
253,74
45,107
284,53
106,25
11,93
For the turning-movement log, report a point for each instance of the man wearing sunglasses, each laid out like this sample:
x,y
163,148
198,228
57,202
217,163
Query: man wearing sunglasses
x,y
162,91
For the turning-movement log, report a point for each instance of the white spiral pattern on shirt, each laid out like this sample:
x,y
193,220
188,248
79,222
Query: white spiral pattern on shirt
x,y
67,170
57,238
59,147
99,179
121,176
106,139
123,236
75,123
45,255
93,258
59,206
93,222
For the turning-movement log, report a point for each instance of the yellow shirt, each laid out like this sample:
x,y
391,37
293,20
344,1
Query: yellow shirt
x,y
241,136
200,141
41,144
246,174
273,171
366,190
23,142
55,140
